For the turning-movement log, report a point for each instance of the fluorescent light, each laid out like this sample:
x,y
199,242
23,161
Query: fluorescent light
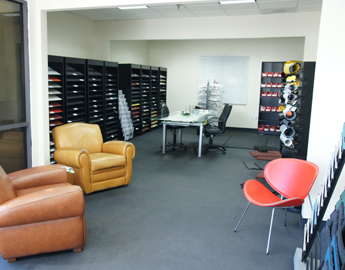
x,y
133,7
236,2
11,14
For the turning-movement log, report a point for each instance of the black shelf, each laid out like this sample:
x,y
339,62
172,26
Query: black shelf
x,y
145,89
75,95
85,91
270,87
95,93
56,100
111,106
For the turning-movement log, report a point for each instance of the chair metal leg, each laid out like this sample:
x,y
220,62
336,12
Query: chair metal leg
x,y
245,210
285,216
269,235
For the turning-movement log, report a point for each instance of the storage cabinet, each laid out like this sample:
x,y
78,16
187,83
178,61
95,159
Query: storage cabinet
x,y
145,89
163,85
82,90
95,93
56,100
111,104
271,85
75,90
130,84
145,97
155,97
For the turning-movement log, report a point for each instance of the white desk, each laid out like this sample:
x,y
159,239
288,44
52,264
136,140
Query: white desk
x,y
196,119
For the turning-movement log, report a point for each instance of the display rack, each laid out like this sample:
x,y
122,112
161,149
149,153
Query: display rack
x,y
145,98
270,88
315,221
154,97
83,90
111,104
296,97
56,100
145,90
95,93
75,90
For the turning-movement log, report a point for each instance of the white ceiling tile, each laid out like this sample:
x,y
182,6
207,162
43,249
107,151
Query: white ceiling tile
x,y
248,6
201,8
278,4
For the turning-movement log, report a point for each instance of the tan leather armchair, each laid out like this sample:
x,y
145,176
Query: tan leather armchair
x,y
40,212
97,165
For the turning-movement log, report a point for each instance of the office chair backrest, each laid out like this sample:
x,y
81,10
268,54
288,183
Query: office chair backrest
x,y
164,110
224,117
291,177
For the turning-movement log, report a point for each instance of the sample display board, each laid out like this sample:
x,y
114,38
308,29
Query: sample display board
x,y
327,241
230,71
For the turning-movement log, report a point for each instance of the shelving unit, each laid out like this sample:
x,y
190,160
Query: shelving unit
x,y
95,93
304,103
111,104
130,84
271,84
75,90
145,97
145,89
154,97
163,85
82,90
56,100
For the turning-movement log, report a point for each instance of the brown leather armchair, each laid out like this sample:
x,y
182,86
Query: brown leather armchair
x,y
40,212
97,165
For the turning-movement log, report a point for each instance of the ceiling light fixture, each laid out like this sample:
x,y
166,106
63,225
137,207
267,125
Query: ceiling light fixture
x,y
133,7
236,2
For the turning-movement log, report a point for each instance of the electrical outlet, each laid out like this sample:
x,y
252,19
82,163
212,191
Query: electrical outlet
x,y
252,116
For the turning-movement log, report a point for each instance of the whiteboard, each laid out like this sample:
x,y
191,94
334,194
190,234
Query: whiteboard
x,y
231,71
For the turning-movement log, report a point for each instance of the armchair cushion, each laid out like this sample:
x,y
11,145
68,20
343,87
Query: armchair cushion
x,y
101,161
44,205
6,188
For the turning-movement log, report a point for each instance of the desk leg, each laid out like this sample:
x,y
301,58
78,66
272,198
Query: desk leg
x,y
200,139
179,135
164,137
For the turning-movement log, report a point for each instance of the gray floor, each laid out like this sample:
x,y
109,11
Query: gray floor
x,y
179,212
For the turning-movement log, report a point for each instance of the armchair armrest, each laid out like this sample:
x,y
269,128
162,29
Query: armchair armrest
x,y
119,147
70,156
35,177
50,204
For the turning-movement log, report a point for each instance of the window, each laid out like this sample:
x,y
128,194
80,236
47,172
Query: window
x,y
14,94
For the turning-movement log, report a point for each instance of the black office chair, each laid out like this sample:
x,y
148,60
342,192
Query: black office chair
x,y
210,130
173,128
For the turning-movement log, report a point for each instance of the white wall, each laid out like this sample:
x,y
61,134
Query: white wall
x,y
181,57
134,52
328,114
70,35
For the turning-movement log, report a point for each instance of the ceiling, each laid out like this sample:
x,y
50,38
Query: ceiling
x,y
200,9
